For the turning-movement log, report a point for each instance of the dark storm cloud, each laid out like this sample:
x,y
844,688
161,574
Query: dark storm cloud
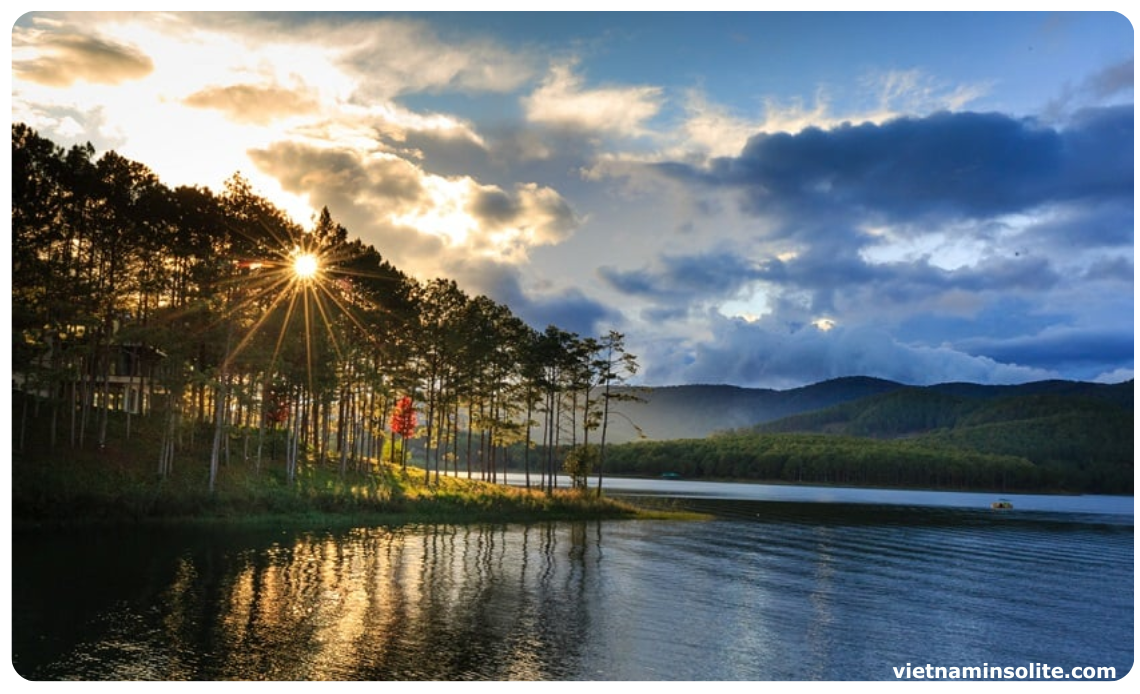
x,y
1095,350
1004,317
665,314
954,165
1106,225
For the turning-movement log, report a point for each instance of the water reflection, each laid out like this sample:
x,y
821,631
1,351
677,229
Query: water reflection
x,y
432,602
800,593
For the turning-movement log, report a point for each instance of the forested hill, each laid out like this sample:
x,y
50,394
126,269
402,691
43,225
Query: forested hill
x,y
695,411
1079,436
1046,436
907,411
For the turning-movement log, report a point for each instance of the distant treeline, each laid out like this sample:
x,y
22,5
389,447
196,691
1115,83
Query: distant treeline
x,y
920,438
823,459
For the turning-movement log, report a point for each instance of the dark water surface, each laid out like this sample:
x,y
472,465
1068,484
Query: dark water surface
x,y
769,590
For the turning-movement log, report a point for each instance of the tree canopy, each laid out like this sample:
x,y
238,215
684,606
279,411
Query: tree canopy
x,y
218,313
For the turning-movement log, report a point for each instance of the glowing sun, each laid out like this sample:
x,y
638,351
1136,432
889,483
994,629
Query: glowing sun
x,y
305,266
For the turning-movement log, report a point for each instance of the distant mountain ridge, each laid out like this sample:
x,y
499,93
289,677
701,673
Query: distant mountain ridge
x,y
1046,436
696,411
918,410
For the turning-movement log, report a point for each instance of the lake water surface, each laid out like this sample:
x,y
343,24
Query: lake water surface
x,y
785,583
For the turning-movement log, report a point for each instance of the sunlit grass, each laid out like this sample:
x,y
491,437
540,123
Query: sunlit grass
x,y
120,485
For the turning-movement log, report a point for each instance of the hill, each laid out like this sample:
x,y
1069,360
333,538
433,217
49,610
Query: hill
x,y
1044,436
695,411
912,410
909,410
1078,435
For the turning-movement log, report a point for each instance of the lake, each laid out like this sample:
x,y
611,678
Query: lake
x,y
784,583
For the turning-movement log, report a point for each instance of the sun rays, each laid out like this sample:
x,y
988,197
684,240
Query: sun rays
x,y
290,299
306,266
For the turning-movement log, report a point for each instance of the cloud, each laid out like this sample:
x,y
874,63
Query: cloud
x,y
344,178
1115,376
562,101
1091,350
391,57
945,165
569,309
1075,229
748,354
1104,86
383,57
688,278
393,202
1112,80
709,129
821,282
61,55
534,216
255,104
1121,270
899,92
433,226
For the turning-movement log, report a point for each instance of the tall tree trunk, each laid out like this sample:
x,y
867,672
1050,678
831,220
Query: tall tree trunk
x,y
219,411
219,425
605,427
526,446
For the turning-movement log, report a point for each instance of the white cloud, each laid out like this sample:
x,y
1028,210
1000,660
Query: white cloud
x,y
55,54
1115,376
711,130
388,199
563,101
390,57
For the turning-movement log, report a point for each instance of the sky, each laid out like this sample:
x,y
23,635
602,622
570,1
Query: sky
x,y
756,199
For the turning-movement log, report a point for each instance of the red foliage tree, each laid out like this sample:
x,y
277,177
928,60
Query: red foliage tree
x,y
403,422
277,405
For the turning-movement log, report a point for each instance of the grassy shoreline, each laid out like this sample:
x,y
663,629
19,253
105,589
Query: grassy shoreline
x,y
86,490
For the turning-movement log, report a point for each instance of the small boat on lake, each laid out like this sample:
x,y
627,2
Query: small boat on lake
x,y
1002,504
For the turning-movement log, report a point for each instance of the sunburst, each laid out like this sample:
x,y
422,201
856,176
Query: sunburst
x,y
306,266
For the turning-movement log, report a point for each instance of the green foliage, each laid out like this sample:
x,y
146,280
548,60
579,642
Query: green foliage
x,y
1054,436
1082,450
824,459
579,463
